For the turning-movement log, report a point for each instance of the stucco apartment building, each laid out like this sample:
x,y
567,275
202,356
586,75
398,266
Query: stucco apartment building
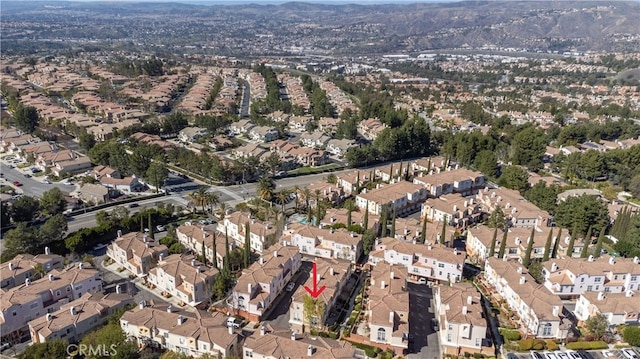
x,y
184,278
333,274
479,240
77,318
270,344
261,283
335,216
431,261
459,180
23,266
571,277
388,306
193,237
21,304
462,327
539,311
458,211
136,252
325,242
193,334
405,197
350,182
262,234
618,308
517,210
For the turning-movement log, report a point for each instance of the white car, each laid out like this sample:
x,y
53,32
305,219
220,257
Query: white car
x,y
630,354
290,286
46,182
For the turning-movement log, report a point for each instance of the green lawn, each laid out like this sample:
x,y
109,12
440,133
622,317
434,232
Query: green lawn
x,y
319,169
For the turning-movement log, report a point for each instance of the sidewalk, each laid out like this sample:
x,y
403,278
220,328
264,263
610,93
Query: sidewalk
x,y
139,283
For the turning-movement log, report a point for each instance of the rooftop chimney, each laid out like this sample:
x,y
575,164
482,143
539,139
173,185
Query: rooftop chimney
x,y
310,350
293,336
556,310
169,308
180,320
198,269
261,260
392,275
193,262
49,317
81,265
119,233
27,282
612,260
522,280
249,288
464,310
275,254
590,259
469,300
147,245
383,284
429,246
636,260
519,270
392,317
318,278
230,329
10,266
160,257
331,271
600,295
142,304
629,293
47,251
50,277
72,310
263,330
554,267
145,238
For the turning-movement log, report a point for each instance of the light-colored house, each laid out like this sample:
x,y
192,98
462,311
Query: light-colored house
x,y
184,332
325,242
261,283
241,127
136,252
405,197
340,147
352,182
539,311
263,133
570,277
262,234
431,261
21,304
459,180
282,344
334,275
334,216
15,271
371,128
316,139
479,240
618,308
193,237
462,327
125,185
184,278
427,165
77,318
388,306
517,210
76,165
191,134
458,211
95,193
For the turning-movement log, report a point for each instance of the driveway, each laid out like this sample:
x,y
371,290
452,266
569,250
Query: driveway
x,y
425,339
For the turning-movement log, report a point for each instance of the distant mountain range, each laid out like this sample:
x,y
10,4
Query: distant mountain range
x,y
345,29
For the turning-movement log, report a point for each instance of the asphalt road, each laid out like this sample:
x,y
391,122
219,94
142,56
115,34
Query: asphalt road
x,y
31,186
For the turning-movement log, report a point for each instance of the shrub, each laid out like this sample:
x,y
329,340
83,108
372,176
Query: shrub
x,y
631,335
587,345
525,344
510,334
551,345
538,345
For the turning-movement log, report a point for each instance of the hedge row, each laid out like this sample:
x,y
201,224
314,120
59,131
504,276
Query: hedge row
x,y
587,345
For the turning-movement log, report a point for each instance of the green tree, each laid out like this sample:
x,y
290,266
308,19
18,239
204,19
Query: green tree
x,y
22,239
535,270
631,335
527,254
368,240
313,312
443,234
5,214
247,245
543,196
492,248
266,185
365,220
503,244
515,178
583,211
572,240
157,172
26,118
496,219
113,339
487,163
598,250
52,349
547,246
53,230
24,209
383,220
556,244
587,240
423,232
596,325
86,140
528,147
52,202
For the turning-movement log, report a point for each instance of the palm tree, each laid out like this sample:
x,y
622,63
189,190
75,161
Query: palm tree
x,y
222,209
282,197
296,190
38,271
306,196
198,198
212,199
265,188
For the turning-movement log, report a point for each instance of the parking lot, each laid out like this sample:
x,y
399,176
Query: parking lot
x,y
425,343
591,354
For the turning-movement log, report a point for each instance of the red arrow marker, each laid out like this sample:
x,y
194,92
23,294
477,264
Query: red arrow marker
x,y
316,291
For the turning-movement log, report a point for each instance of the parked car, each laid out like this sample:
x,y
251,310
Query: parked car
x,y
133,205
422,280
17,184
4,346
290,286
630,354
26,175
46,182
536,355
161,228
573,355
233,322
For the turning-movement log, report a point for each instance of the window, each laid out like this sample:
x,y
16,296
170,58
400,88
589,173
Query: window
x,y
181,340
634,278
440,265
166,335
450,327
204,347
546,330
598,279
248,354
478,342
382,335
582,280
58,293
33,305
449,337
589,288
241,302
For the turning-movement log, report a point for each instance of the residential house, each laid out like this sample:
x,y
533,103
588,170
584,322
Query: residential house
x,y
462,327
325,242
250,149
571,277
479,240
339,147
99,172
316,139
563,196
284,344
95,193
262,234
387,309
263,134
325,191
352,182
21,304
50,158
26,266
395,172
241,127
193,237
403,197
192,334
334,276
127,184
618,308
371,128
430,261
77,318
299,123
184,278
308,156
192,134
261,283
517,210
459,180
334,216
136,252
428,165
539,312
75,165
454,209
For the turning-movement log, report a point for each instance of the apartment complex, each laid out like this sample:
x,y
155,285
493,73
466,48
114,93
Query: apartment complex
x,y
194,237
334,275
431,261
539,311
77,318
517,210
136,252
571,277
27,266
618,308
454,209
403,197
479,240
459,180
183,332
261,283
282,344
462,327
262,234
183,277
326,242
